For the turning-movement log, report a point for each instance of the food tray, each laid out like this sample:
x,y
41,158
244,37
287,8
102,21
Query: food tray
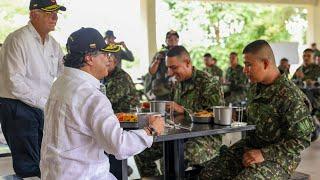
x,y
202,120
129,125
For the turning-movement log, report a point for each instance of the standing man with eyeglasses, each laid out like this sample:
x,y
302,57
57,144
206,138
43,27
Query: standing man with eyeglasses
x,y
30,60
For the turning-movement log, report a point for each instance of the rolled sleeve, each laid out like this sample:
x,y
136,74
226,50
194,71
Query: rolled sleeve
x,y
106,128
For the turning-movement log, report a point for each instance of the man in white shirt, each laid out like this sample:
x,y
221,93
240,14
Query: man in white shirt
x,y
79,121
30,59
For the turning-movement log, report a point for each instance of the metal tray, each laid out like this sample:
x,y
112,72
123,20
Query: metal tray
x,y
197,119
129,125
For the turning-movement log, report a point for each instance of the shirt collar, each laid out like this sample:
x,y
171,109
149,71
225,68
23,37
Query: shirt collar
x,y
35,32
267,91
189,83
82,75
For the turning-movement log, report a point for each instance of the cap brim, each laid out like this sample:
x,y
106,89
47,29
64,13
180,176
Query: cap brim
x,y
112,48
52,8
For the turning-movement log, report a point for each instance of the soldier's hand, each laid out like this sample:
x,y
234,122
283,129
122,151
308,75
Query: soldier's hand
x,y
157,123
252,157
176,107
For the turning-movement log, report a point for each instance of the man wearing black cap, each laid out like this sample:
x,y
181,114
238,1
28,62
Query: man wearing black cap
x,y
30,60
80,123
160,80
124,52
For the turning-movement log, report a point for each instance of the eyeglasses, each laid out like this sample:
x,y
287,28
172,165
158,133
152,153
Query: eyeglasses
x,y
53,14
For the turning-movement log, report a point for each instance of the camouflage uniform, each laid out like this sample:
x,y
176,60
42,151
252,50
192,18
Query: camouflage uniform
x,y
283,127
238,84
311,71
284,70
200,92
160,81
121,91
214,71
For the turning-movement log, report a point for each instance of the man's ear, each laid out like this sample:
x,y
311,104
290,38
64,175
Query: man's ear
x,y
88,59
266,63
187,60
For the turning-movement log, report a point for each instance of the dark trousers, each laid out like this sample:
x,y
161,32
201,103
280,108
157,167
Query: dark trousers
x,y
22,126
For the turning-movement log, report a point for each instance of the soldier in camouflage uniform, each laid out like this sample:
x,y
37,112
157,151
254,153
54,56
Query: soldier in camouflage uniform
x,y
211,67
284,66
283,124
120,89
160,86
196,91
237,79
309,71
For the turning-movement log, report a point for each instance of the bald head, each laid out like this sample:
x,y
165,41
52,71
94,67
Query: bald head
x,y
262,50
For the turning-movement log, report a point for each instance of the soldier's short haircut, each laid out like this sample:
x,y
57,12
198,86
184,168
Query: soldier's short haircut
x,y
284,59
256,46
233,53
208,55
177,51
308,50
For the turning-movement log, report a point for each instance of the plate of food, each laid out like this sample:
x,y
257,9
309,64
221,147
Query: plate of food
x,y
203,116
128,120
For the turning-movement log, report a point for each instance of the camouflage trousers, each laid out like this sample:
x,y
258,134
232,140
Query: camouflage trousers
x,y
228,166
196,151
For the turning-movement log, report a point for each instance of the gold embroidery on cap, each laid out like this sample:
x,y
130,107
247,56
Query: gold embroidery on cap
x,y
93,46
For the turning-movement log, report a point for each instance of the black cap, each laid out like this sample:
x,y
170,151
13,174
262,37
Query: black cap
x,y
172,32
109,33
88,40
46,5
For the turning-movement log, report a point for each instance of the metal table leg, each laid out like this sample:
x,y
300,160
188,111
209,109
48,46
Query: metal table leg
x,y
119,168
174,159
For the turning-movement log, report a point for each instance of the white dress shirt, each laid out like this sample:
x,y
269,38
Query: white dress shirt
x,y
79,126
28,67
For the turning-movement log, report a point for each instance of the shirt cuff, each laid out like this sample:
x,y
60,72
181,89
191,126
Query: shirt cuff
x,y
147,139
42,103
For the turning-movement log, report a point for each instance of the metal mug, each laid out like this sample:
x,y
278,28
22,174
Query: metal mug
x,y
159,107
222,115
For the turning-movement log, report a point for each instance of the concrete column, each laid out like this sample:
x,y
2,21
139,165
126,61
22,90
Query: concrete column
x,y
313,30
148,19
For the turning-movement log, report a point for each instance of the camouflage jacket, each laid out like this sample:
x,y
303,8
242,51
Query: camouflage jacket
x,y
236,77
200,92
283,122
283,70
121,91
311,71
214,71
160,80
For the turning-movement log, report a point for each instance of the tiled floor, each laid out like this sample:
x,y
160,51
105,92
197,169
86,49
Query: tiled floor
x,y
310,163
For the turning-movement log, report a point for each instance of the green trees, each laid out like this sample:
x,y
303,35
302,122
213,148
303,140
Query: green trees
x,y
11,11
230,26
